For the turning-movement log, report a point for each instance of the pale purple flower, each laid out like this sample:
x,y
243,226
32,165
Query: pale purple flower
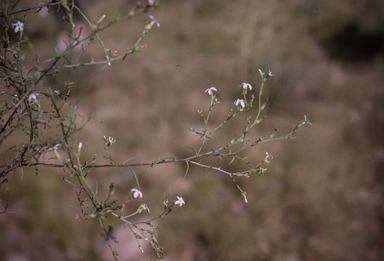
x,y
210,90
240,102
136,193
245,85
306,120
268,155
153,21
54,147
110,140
179,201
33,97
19,26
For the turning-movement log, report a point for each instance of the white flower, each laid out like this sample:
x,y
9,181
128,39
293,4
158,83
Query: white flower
x,y
179,201
240,102
153,21
80,145
32,97
110,140
19,26
54,147
246,85
136,193
210,90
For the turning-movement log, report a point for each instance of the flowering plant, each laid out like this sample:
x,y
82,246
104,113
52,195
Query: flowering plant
x,y
30,109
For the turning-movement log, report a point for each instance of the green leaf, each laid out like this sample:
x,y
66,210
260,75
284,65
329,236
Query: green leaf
x,y
73,184
186,172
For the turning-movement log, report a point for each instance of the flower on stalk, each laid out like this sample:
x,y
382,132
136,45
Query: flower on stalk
x,y
210,90
54,147
306,120
33,97
19,26
240,104
153,21
179,201
79,149
110,140
244,194
267,155
145,207
136,193
246,85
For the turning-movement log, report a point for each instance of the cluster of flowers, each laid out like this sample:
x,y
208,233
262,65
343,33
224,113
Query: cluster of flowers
x,y
137,193
240,103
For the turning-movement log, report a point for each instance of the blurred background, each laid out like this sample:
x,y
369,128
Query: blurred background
x,y
322,195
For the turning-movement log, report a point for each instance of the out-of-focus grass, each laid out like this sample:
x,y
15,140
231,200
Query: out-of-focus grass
x,y
319,199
